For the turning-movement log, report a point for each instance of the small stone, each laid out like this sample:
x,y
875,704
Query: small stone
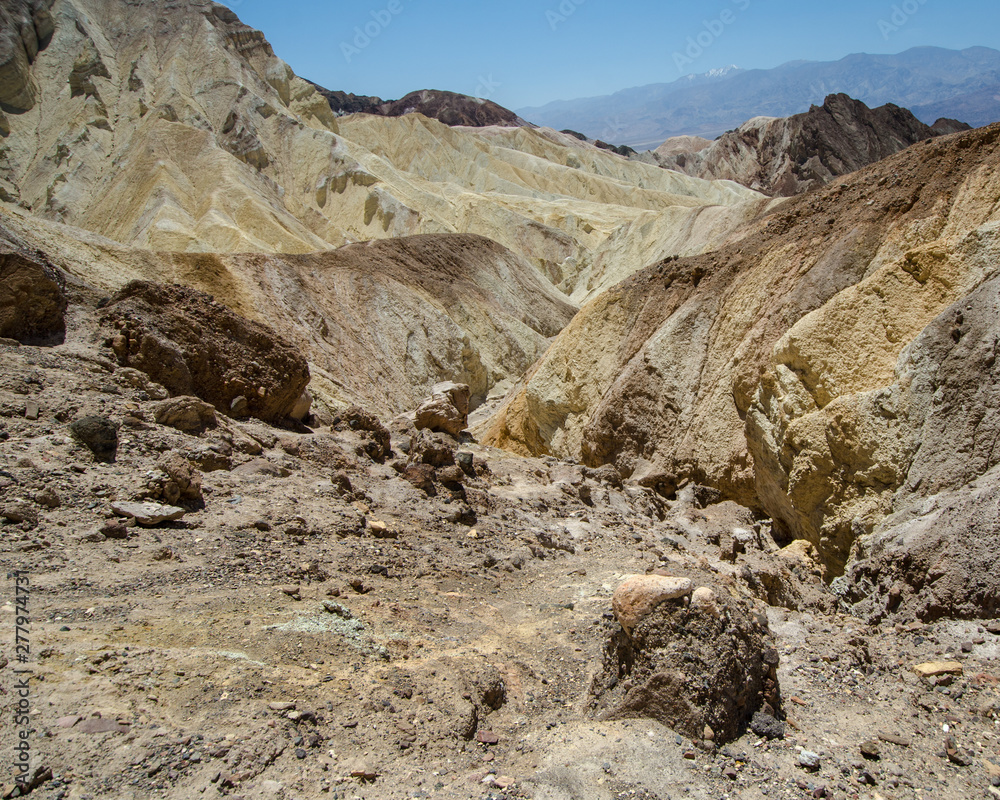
x,y
380,530
465,460
730,773
281,705
766,726
68,722
639,595
809,760
487,737
48,498
99,434
933,669
300,753
892,738
338,609
31,409
870,750
703,599
708,734
295,592
148,514
113,529
967,647
363,771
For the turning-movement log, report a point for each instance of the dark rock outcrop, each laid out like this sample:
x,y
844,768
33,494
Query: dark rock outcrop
x,y
32,300
193,345
788,156
447,107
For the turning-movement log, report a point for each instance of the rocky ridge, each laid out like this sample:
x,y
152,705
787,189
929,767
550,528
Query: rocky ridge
x,y
740,369
176,128
792,155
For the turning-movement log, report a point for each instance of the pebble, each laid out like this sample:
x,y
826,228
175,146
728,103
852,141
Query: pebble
x,y
295,592
147,514
933,669
487,737
870,750
809,760
892,738
31,409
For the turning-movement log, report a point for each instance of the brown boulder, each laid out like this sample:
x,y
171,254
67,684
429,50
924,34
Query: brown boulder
x,y
193,345
376,440
32,302
446,410
689,664
188,414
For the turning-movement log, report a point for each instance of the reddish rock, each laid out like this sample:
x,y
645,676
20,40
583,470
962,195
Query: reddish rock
x,y
193,345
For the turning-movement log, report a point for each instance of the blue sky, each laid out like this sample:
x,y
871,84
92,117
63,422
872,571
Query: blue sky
x,y
522,53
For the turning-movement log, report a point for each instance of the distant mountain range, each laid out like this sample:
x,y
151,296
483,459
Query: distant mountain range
x,y
931,81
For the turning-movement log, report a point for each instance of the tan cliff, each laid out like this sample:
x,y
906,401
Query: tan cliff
x,y
752,369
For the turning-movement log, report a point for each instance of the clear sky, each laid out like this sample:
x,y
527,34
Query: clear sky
x,y
528,52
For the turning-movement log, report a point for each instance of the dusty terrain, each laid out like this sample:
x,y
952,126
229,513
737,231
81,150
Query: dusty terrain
x,y
369,457
320,616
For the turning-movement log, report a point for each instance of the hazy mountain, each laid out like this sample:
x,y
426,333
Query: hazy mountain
x,y
932,81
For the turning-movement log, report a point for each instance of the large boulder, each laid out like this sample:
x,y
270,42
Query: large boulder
x,y
193,345
446,410
692,659
32,300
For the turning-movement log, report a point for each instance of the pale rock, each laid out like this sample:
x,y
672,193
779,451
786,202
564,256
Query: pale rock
x,y
638,595
932,669
148,514
704,599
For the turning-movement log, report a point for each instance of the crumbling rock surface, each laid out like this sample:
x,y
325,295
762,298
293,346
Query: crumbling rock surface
x,y
691,662
32,299
191,344
764,369
26,26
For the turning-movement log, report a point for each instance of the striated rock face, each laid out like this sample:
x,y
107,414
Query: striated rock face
x,y
796,154
26,26
765,369
193,345
174,127
32,301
